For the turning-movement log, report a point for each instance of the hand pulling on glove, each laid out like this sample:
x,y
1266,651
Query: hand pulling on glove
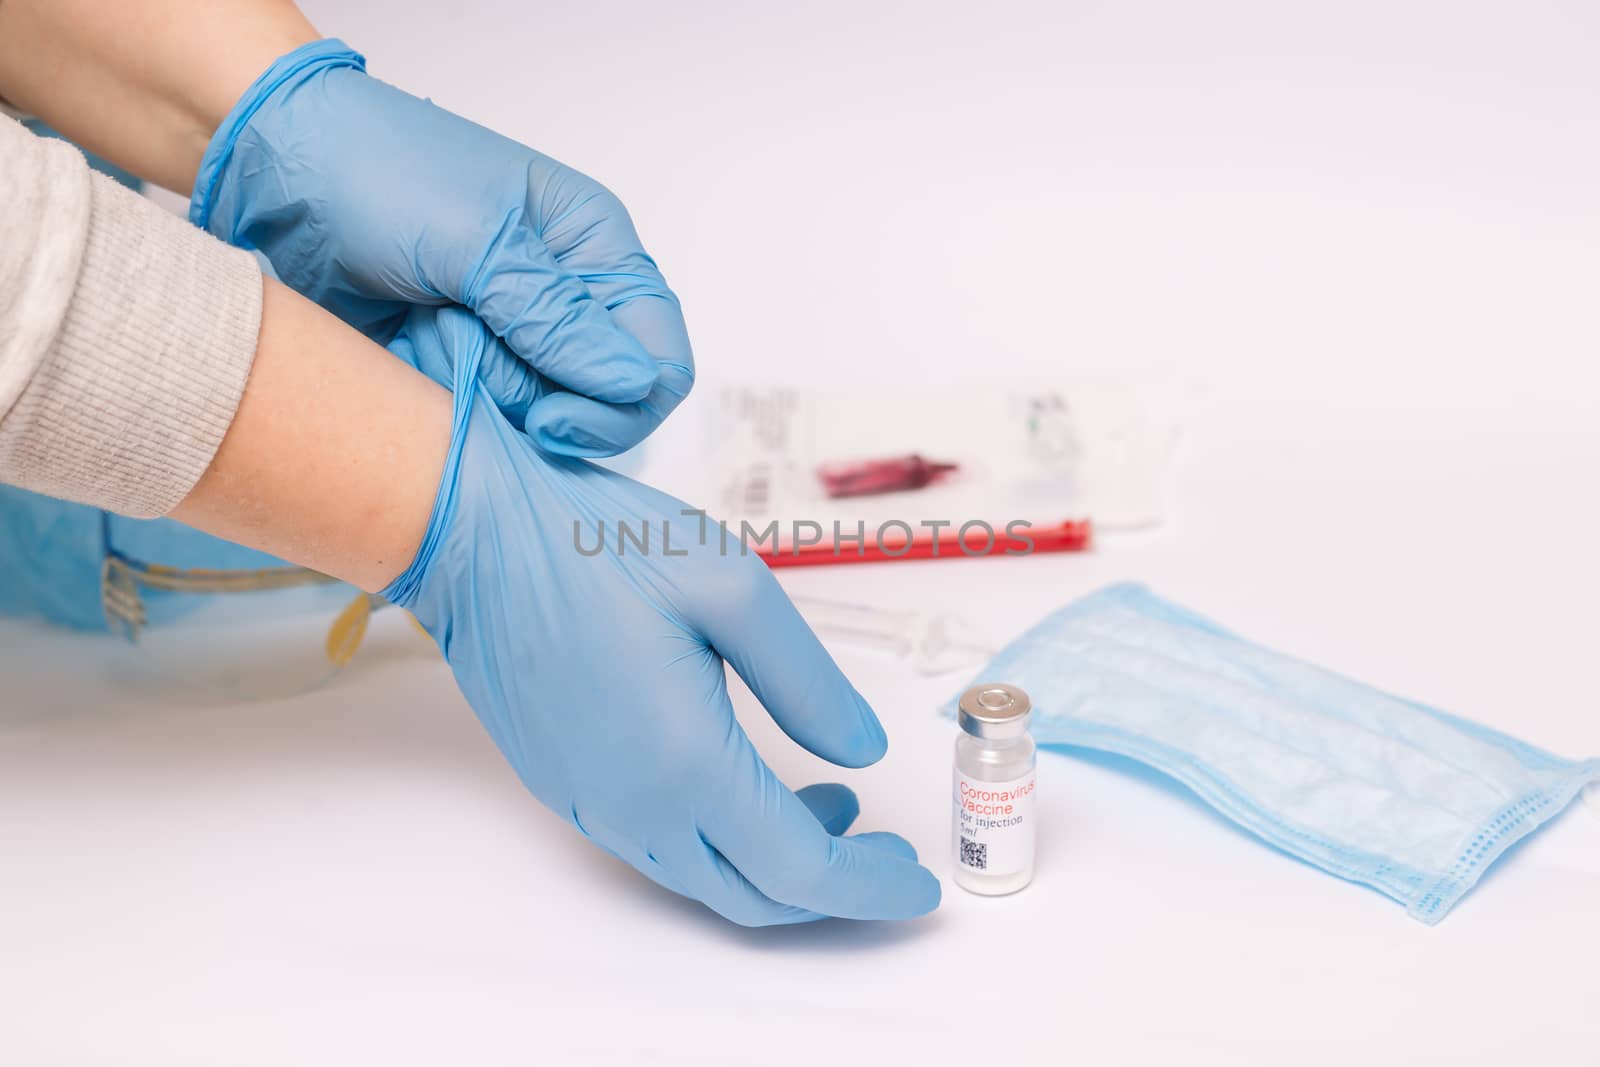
x,y
597,666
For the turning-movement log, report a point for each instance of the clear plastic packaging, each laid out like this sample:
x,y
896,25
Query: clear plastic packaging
x,y
932,642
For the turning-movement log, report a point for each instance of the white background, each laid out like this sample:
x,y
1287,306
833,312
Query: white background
x,y
1369,230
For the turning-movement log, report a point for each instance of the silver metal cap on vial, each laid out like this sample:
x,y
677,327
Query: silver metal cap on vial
x,y
994,710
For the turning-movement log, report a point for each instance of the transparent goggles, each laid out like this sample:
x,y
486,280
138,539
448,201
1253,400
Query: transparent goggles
x,y
257,634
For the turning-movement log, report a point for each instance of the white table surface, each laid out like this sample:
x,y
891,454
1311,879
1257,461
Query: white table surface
x,y
1368,232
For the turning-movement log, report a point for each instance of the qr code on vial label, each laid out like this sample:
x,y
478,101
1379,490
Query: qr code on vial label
x,y
974,855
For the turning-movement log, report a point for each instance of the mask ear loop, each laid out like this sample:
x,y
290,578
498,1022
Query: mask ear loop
x,y
1591,800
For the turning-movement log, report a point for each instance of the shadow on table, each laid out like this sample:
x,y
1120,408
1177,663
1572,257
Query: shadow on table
x,y
397,717
825,936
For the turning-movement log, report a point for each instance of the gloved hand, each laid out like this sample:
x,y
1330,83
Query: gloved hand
x,y
599,671
369,200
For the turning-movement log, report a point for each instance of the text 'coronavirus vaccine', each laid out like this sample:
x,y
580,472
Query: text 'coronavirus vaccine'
x,y
994,826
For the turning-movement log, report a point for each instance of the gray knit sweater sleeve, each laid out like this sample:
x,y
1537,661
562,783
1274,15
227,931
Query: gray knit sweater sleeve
x,y
126,335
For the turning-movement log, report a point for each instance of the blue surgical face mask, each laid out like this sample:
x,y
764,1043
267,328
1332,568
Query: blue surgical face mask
x,y
1367,786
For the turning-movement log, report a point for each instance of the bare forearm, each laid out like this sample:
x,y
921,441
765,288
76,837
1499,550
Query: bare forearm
x,y
143,83
335,454
146,368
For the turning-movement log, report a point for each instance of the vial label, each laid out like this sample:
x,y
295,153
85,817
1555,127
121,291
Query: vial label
x,y
994,824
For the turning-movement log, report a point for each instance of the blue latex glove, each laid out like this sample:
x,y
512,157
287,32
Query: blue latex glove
x,y
369,200
600,676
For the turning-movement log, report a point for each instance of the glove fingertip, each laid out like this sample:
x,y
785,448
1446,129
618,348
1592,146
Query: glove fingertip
x,y
884,883
835,806
917,893
926,894
868,744
889,842
604,365
567,441
635,376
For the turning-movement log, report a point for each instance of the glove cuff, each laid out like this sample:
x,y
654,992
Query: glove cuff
x,y
287,71
403,589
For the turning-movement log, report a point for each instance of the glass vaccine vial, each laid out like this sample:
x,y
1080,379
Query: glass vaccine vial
x,y
994,826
